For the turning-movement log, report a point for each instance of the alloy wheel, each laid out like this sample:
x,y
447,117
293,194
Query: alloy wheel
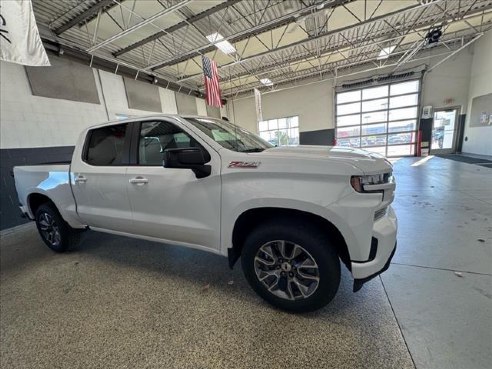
x,y
287,270
49,229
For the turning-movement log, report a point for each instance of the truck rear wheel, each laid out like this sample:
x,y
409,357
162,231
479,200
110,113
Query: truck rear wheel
x,y
292,266
54,231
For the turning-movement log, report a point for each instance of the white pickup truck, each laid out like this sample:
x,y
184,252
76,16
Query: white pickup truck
x,y
290,213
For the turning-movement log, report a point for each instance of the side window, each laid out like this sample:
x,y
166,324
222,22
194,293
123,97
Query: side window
x,y
106,145
155,137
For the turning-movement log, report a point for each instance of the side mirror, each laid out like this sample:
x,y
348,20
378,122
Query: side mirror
x,y
188,158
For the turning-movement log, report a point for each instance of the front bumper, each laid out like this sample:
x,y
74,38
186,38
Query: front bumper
x,y
358,283
384,231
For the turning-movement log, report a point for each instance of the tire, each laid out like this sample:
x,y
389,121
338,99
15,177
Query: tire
x,y
54,231
265,241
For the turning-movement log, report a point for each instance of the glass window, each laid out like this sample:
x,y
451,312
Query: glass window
x,y
346,97
400,114
272,124
401,138
404,88
156,137
348,120
373,129
263,125
348,108
402,126
348,131
372,105
373,141
280,132
405,100
380,116
105,147
348,142
374,92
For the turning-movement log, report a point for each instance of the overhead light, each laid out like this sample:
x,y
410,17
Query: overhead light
x,y
223,45
266,81
385,52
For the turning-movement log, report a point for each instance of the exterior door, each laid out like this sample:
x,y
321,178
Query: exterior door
x,y
99,178
444,128
170,203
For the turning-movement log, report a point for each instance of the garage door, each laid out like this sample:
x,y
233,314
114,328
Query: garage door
x,y
380,119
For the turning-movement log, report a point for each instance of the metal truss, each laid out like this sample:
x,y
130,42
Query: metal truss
x,y
283,40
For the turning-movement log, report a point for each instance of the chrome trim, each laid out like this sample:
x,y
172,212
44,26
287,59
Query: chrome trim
x,y
379,187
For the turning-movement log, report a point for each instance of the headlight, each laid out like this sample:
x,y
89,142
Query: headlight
x,y
370,183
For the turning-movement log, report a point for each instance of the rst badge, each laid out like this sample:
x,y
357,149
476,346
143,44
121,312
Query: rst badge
x,y
244,164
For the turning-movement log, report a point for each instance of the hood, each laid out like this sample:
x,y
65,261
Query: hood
x,y
367,162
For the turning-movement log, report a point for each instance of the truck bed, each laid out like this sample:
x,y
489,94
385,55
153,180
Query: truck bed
x,y
50,180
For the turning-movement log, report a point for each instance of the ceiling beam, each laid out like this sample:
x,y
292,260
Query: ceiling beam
x,y
83,16
177,26
139,25
242,35
423,23
393,62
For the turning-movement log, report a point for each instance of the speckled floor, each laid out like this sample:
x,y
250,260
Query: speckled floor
x,y
122,303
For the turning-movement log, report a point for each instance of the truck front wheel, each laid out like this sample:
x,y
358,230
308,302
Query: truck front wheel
x,y
290,265
54,231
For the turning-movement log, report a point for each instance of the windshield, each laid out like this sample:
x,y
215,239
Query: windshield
x,y
229,135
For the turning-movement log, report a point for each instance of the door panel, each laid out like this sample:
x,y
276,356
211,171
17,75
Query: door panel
x,y
174,205
99,179
170,203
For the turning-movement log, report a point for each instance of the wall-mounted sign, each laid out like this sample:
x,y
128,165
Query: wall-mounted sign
x,y
427,112
481,111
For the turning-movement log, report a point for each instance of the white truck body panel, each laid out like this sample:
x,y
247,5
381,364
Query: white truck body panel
x,y
172,205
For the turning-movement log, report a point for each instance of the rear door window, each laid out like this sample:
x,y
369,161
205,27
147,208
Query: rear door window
x,y
106,145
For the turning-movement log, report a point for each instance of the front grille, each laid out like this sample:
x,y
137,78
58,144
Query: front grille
x,y
380,213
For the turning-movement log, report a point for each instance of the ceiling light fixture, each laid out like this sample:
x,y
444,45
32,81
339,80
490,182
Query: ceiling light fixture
x,y
223,45
266,81
385,52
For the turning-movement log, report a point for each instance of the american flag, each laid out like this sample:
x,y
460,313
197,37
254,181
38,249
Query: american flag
x,y
212,88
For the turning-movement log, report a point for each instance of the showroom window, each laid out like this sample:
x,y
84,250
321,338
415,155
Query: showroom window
x,y
380,119
281,131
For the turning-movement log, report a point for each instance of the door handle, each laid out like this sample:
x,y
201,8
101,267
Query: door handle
x,y
80,179
139,180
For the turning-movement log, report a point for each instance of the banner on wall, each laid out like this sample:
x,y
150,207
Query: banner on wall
x,y
259,112
19,36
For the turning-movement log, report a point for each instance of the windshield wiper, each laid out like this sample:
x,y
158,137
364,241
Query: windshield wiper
x,y
256,149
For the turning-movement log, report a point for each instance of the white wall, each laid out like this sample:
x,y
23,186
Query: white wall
x,y
201,107
449,81
314,102
116,101
33,121
479,138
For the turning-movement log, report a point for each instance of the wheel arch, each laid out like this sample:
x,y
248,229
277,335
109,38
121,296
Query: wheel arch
x,y
256,216
35,200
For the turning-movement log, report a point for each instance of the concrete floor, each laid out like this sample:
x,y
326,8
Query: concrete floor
x,y
122,303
